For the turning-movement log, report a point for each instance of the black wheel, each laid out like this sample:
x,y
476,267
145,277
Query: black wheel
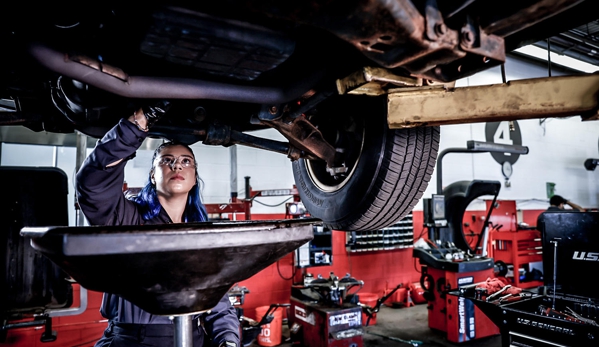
x,y
500,268
387,170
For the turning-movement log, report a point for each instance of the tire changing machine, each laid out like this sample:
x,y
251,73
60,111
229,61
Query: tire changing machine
x,y
445,263
325,314
446,267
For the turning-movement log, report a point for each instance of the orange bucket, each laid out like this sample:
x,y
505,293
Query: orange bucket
x,y
369,299
271,334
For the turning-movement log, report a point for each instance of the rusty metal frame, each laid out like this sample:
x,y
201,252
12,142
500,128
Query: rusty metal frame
x,y
304,136
373,80
547,97
432,42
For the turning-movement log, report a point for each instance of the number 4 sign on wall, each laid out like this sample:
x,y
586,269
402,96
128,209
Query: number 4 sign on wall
x,y
508,133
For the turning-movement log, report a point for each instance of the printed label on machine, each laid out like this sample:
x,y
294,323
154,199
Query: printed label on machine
x,y
462,281
466,326
349,318
302,314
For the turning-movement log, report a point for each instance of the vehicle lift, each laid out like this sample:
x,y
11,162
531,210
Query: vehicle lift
x,y
237,205
415,102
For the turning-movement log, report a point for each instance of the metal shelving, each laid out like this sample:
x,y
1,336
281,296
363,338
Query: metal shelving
x,y
397,236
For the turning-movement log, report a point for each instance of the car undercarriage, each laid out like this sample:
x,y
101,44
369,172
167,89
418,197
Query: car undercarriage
x,y
319,72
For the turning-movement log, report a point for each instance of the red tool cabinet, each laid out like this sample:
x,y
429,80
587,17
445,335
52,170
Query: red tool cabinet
x,y
518,248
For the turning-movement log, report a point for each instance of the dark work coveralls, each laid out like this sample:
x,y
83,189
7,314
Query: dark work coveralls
x,y
101,198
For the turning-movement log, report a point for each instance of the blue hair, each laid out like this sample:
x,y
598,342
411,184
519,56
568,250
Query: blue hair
x,y
147,199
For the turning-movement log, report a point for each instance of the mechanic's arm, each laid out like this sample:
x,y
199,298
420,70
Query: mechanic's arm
x,y
222,324
574,206
100,178
141,122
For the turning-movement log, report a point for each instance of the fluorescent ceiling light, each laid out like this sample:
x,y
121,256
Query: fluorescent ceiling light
x,y
558,59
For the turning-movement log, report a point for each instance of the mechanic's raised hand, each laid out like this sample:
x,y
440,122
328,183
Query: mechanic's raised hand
x,y
153,113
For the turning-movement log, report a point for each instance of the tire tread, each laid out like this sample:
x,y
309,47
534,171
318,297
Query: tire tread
x,y
407,167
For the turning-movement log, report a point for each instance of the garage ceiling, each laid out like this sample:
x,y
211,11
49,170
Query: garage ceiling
x,y
581,43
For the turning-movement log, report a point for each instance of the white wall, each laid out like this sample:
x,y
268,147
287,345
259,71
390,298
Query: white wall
x,y
558,149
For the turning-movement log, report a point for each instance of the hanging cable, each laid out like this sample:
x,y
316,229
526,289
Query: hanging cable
x,y
542,121
415,267
422,232
267,205
281,275
349,262
549,57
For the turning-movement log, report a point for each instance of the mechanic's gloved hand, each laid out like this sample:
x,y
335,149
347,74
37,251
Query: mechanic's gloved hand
x,y
153,113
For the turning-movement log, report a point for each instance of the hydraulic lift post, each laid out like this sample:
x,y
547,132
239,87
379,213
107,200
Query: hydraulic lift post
x,y
243,206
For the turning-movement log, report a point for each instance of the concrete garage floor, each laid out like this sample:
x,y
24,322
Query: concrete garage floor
x,y
407,324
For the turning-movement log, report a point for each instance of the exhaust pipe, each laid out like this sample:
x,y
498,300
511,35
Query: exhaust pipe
x,y
112,80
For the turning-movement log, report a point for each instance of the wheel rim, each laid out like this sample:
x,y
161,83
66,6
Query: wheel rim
x,y
352,140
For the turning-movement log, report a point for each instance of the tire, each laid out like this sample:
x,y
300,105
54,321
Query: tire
x,y
388,170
